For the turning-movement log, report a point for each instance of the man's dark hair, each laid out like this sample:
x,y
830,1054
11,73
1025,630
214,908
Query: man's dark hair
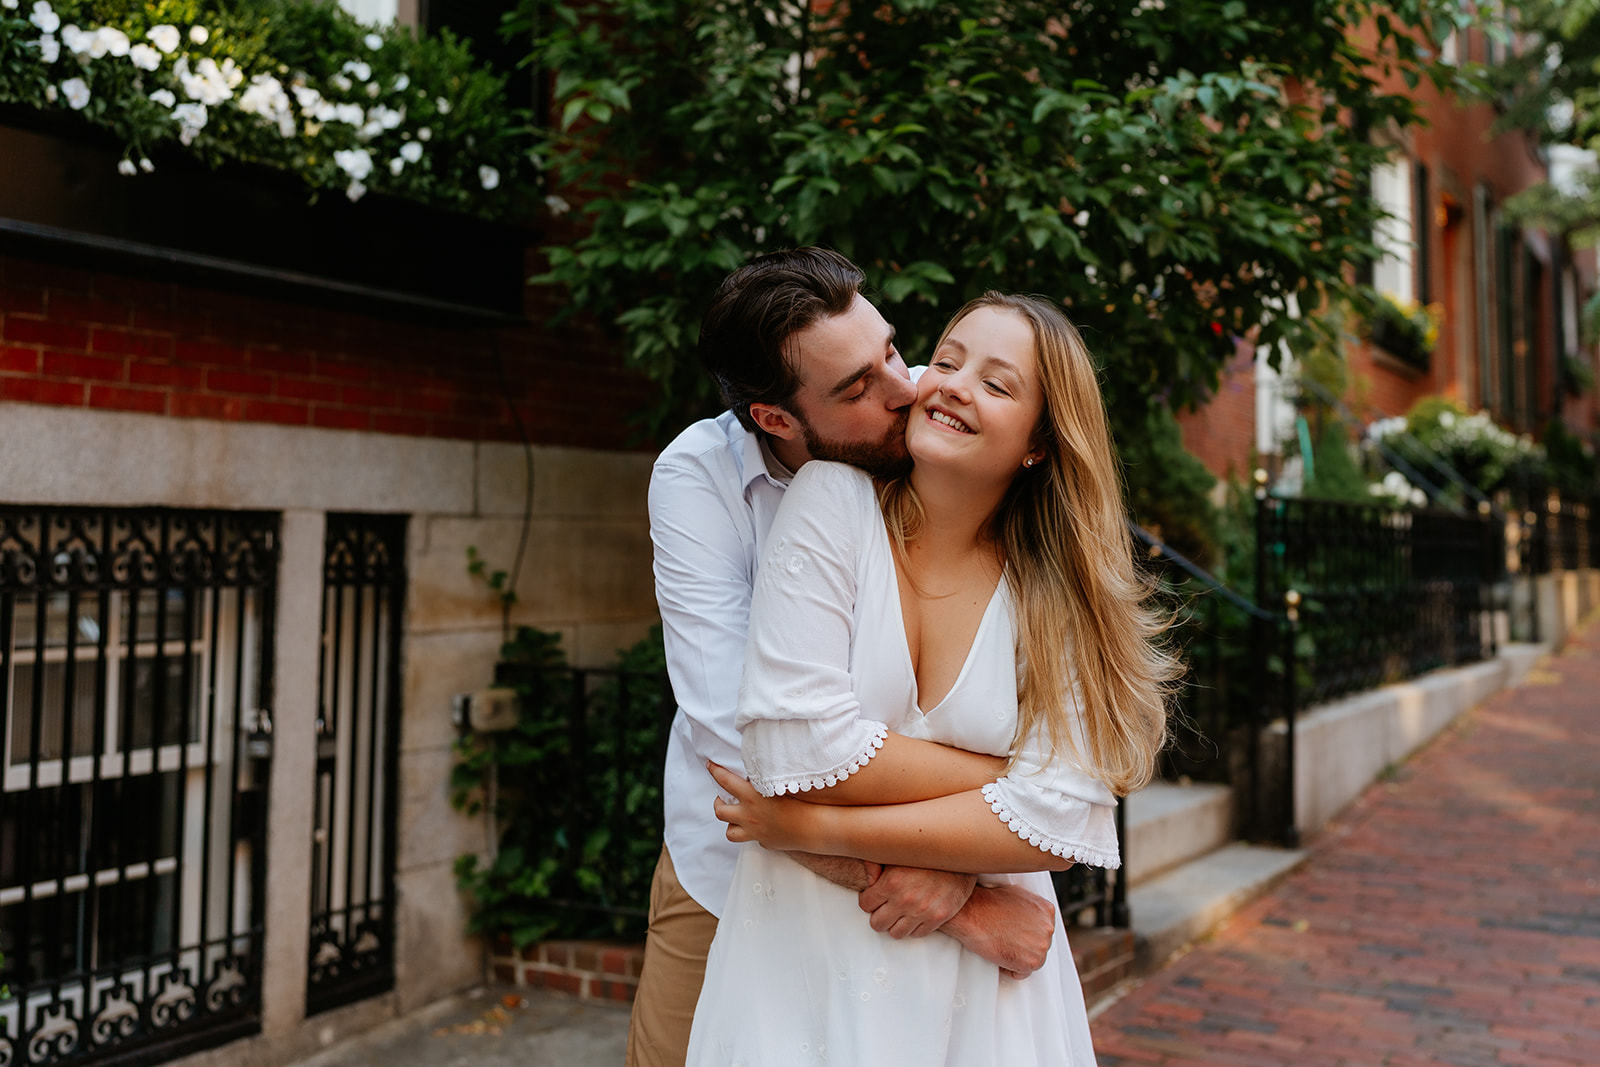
x,y
745,335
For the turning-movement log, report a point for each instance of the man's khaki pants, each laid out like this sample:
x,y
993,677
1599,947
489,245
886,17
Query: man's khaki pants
x,y
674,970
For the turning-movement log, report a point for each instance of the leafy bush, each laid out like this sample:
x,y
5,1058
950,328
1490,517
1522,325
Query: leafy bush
x,y
575,789
1334,472
1571,466
298,85
1481,451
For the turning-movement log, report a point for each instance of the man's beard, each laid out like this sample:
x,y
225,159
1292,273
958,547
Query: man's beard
x,y
884,459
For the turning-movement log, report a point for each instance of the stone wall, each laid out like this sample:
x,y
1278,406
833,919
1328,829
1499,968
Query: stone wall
x,y
586,574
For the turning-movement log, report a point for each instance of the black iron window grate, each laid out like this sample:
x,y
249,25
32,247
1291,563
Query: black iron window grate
x,y
135,676
352,847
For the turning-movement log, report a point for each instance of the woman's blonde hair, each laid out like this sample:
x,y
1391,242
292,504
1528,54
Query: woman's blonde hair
x,y
1070,564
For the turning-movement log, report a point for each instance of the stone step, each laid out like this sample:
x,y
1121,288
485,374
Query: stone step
x,y
1177,907
1169,824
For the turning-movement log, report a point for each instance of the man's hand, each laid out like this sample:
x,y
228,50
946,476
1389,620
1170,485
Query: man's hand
x,y
1008,926
913,902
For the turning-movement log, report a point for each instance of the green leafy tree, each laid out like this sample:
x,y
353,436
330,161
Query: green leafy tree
x,y
1172,170
1550,88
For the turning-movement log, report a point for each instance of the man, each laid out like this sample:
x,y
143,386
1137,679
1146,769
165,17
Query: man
x,y
809,370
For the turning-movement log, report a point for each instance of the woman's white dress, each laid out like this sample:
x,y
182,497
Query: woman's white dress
x,y
796,974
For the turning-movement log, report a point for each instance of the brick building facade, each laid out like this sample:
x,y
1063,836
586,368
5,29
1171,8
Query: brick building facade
x,y
1508,296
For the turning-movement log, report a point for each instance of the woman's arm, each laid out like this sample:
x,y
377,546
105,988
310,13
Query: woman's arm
x,y
907,769
955,833
802,724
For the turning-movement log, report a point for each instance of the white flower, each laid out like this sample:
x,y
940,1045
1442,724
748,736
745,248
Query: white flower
x,y
340,82
286,125
208,83
76,40
199,34
356,162
127,167
1081,219
358,68
372,89
116,42
372,41
411,151
402,83
145,164
164,37
264,96
77,93
49,49
50,94
488,176
164,97
388,118
557,205
193,120
396,165
370,130
425,134
44,18
355,191
144,57
351,114
10,5
443,105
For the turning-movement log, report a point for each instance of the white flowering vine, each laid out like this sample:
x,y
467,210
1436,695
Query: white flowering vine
x,y
358,126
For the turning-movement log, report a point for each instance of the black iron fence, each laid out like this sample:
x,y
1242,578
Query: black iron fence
x,y
588,758
1346,597
357,737
135,681
1381,594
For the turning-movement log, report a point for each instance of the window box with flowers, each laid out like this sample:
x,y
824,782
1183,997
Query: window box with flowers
x,y
1406,330
274,145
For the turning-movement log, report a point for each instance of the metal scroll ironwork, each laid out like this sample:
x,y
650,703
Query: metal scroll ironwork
x,y
352,848
135,657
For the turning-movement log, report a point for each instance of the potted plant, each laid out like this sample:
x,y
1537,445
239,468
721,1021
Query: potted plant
x,y
1405,329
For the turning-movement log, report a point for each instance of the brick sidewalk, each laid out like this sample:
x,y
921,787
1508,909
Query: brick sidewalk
x,y
1450,916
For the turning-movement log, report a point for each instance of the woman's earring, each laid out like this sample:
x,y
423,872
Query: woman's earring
x,y
1028,462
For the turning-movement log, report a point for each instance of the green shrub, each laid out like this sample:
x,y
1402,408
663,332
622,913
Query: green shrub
x,y
578,810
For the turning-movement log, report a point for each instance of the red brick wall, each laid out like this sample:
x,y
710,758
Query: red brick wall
x,y
1222,434
97,339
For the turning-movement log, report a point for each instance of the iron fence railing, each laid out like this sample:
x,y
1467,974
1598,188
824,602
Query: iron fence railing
x,y
1381,594
135,687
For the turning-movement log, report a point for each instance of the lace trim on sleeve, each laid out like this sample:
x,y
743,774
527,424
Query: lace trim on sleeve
x,y
1056,846
789,783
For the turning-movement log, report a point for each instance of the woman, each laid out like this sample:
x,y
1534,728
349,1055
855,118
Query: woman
x,y
987,602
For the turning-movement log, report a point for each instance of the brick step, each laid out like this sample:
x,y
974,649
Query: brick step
x,y
609,970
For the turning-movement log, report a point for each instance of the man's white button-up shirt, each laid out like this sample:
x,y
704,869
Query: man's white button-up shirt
x,y
712,500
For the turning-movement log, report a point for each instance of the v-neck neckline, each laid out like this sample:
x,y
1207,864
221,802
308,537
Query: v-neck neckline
x,y
905,639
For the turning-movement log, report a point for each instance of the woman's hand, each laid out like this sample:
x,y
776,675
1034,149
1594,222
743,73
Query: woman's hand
x,y
779,823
